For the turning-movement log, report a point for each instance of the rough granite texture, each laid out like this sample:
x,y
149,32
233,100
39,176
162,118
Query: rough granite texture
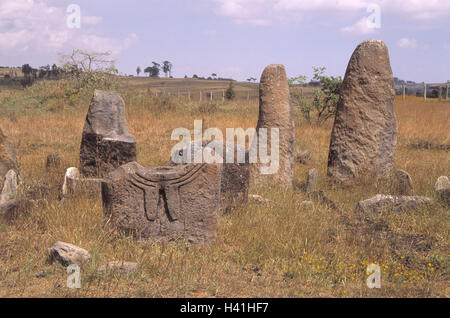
x,y
164,203
106,143
275,111
364,136
235,177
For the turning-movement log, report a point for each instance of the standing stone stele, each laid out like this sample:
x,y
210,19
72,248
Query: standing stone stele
x,y
8,159
106,143
9,190
364,137
164,203
275,111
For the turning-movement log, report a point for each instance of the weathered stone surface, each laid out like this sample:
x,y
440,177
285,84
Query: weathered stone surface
x,y
68,254
9,191
235,177
383,202
53,161
442,188
275,111
75,184
311,182
164,203
364,137
403,184
118,267
307,206
106,143
8,159
13,209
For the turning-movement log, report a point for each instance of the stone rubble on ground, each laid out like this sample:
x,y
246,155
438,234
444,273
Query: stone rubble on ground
x,y
67,254
382,202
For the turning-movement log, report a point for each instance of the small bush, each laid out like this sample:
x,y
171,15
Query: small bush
x,y
230,94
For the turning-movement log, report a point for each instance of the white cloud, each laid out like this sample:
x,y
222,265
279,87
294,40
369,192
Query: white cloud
x,y
359,28
406,43
264,12
37,27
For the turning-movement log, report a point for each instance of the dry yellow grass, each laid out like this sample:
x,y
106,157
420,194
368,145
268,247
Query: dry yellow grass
x,y
276,251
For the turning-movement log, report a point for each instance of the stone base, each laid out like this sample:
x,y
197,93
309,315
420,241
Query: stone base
x,y
100,156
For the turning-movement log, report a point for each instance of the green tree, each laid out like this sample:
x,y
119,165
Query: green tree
x,y
138,70
27,70
167,68
325,96
153,71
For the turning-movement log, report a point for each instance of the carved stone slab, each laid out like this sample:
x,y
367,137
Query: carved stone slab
x,y
235,176
165,203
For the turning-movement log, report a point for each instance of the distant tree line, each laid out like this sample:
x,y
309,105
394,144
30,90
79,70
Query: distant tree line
x,y
156,69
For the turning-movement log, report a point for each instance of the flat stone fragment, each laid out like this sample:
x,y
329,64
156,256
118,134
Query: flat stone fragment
x,y
383,202
403,184
118,267
75,184
106,143
275,111
364,136
9,191
68,254
164,203
235,177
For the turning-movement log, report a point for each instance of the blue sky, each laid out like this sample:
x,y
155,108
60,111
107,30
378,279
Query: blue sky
x,y
233,38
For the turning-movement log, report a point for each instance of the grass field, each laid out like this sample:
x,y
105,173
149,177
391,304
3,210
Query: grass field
x,y
275,251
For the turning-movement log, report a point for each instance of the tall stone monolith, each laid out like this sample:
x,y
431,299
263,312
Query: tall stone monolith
x,y
275,112
364,136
